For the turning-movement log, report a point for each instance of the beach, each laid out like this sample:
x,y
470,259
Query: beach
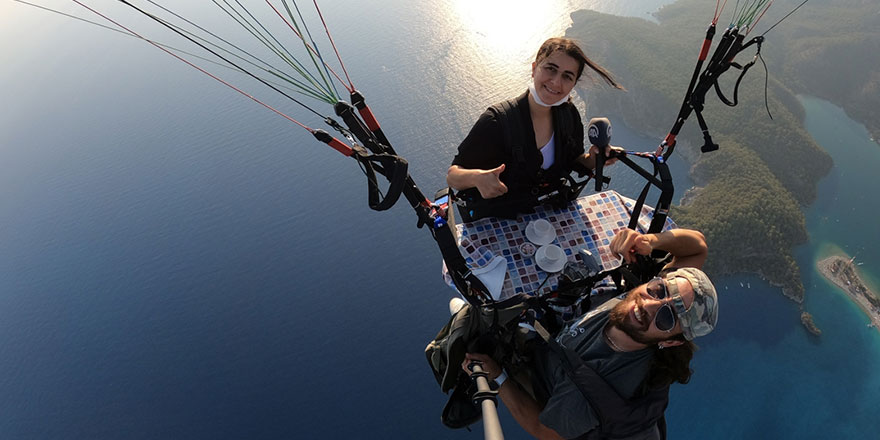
x,y
842,272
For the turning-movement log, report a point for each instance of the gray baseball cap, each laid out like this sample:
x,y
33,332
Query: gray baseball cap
x,y
700,318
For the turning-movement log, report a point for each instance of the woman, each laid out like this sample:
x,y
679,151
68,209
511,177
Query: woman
x,y
519,147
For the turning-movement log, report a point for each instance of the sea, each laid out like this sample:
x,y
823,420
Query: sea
x,y
178,262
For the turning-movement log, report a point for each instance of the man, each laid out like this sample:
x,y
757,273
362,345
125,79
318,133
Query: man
x,y
640,342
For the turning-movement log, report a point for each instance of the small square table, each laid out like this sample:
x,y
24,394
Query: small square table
x,y
589,222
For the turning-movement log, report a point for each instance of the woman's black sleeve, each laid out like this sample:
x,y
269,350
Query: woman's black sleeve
x,y
482,148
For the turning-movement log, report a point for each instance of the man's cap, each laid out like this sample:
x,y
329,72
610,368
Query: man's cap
x,y
700,318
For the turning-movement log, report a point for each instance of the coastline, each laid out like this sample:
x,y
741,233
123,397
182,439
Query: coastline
x,y
841,271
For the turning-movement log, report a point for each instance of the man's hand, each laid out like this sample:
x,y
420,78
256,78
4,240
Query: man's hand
x,y
687,246
522,406
489,365
628,243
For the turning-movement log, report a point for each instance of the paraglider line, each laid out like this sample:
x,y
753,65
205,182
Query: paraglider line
x,y
214,53
786,16
327,30
308,46
197,67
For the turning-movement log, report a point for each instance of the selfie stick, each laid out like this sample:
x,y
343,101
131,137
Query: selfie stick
x,y
486,397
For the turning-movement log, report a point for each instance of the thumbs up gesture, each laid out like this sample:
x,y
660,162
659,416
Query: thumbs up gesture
x,y
489,183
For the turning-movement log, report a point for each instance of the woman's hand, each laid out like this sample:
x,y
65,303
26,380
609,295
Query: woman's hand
x,y
610,151
489,183
589,158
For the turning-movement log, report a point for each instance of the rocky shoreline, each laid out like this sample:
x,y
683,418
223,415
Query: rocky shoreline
x,y
842,272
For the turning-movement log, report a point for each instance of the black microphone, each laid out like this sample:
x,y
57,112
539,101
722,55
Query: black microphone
x,y
599,134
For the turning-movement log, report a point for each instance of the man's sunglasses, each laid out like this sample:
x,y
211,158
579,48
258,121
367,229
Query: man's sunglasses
x,y
665,317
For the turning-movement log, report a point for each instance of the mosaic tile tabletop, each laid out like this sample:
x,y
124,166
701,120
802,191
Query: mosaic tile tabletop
x,y
587,223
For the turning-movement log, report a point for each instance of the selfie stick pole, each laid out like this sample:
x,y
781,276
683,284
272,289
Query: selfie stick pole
x,y
486,397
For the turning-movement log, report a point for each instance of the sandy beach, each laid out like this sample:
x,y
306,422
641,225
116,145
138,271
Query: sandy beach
x,y
841,271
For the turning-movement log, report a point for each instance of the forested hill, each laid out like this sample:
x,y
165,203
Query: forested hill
x,y
830,51
751,191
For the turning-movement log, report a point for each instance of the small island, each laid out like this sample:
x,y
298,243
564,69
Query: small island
x,y
842,272
807,321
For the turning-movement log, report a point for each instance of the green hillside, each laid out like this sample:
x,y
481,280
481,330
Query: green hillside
x,y
751,191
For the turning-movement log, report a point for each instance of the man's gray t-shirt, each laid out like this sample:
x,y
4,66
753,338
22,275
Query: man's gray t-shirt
x,y
567,411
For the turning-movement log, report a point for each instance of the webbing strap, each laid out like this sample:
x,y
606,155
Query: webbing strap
x,y
637,208
465,281
757,41
394,168
509,117
587,381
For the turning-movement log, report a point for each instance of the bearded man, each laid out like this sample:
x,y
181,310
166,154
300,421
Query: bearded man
x,y
634,343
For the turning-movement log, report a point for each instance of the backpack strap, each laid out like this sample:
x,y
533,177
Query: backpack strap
x,y
618,417
564,123
509,117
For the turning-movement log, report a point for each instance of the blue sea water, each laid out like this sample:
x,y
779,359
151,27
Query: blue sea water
x,y
761,374
178,262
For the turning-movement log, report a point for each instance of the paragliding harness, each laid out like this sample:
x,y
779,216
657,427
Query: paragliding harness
x,y
526,190
502,331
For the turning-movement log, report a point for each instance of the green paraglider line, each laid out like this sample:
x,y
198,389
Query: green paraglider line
x,y
312,50
125,2
288,58
302,87
202,70
329,37
315,46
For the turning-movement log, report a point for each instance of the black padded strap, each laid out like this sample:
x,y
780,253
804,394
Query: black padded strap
x,y
509,116
393,167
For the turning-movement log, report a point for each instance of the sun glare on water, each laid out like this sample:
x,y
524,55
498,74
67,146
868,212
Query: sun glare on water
x,y
511,30
498,39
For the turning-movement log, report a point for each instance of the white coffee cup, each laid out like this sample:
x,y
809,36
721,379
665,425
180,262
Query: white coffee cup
x,y
540,232
550,258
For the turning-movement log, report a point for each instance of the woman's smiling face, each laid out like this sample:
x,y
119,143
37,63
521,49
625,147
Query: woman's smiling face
x,y
555,76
